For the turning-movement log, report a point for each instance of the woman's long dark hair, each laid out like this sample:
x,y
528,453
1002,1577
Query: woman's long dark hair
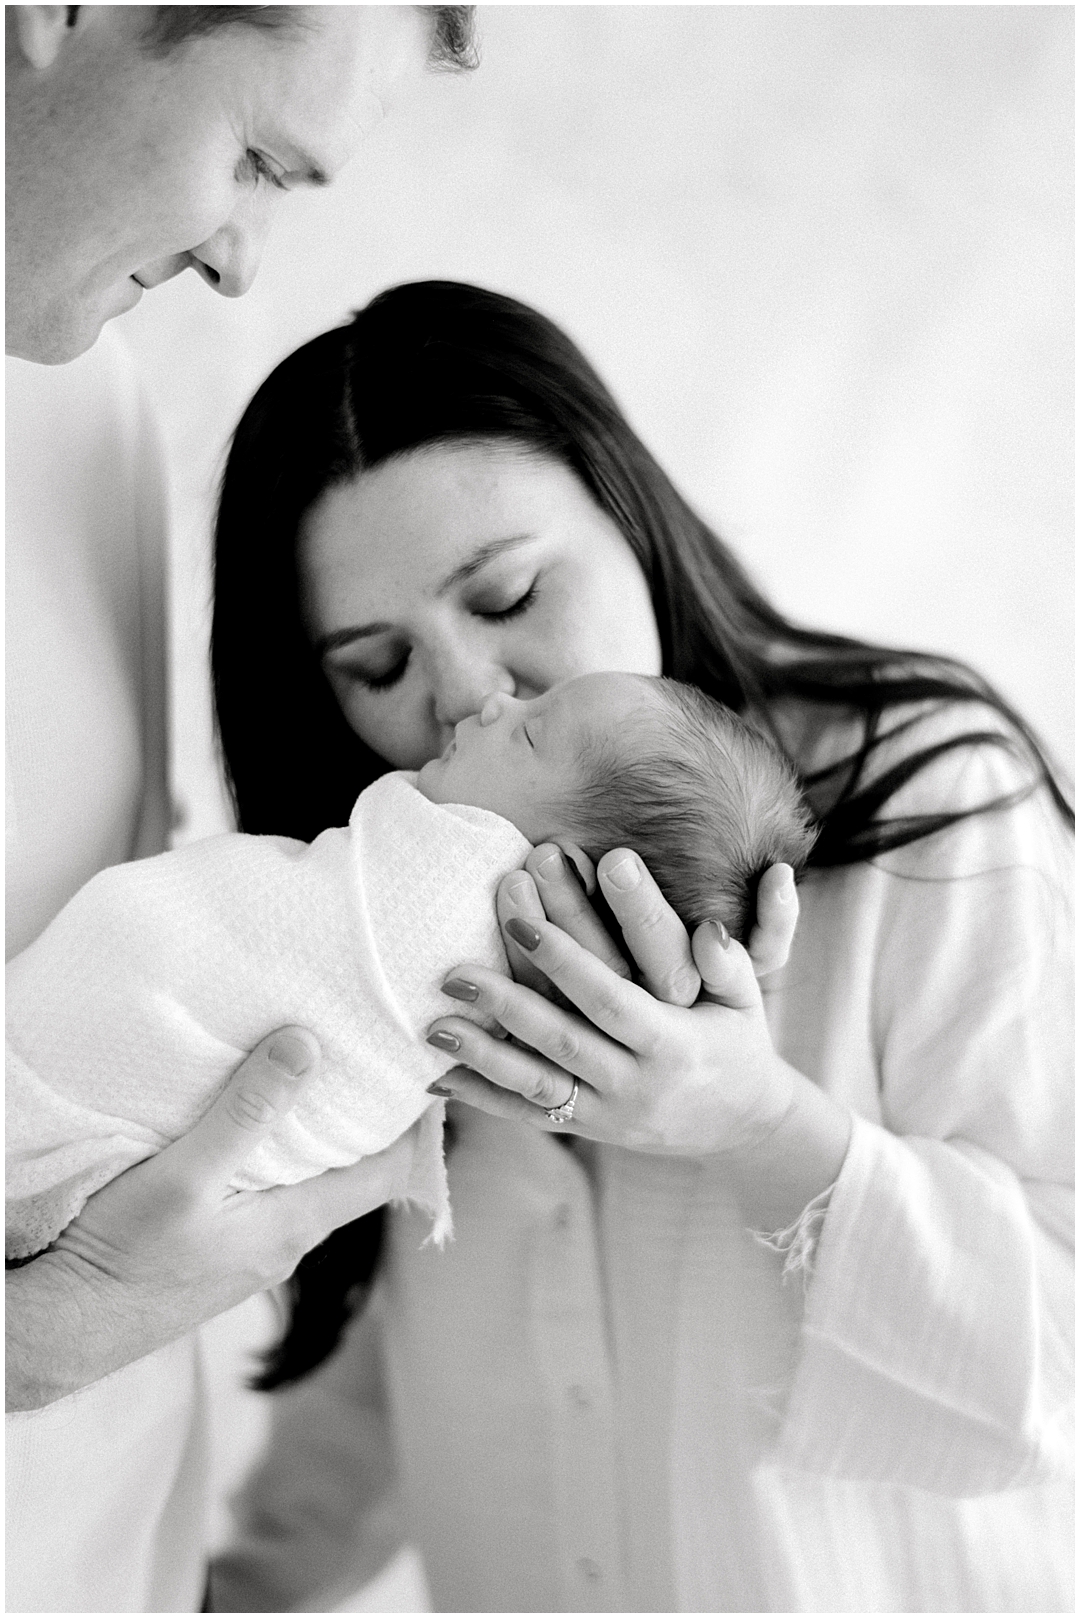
x,y
438,361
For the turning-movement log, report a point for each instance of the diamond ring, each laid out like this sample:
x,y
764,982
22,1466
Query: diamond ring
x,y
563,1114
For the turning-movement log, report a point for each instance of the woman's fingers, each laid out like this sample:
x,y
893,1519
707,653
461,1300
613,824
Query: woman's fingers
x,y
566,903
540,1082
549,889
777,913
727,972
265,1086
461,1084
611,1003
558,1040
517,896
654,935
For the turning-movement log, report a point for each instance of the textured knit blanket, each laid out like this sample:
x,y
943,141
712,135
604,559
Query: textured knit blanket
x,y
127,1015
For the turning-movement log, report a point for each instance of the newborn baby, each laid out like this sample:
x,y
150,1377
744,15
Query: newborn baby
x,y
127,1015
613,760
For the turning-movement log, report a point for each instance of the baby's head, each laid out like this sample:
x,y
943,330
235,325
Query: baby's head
x,y
620,760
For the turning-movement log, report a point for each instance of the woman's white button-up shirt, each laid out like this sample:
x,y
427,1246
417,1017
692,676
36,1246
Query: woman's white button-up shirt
x,y
603,1396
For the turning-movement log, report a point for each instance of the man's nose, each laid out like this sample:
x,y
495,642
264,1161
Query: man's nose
x,y
229,260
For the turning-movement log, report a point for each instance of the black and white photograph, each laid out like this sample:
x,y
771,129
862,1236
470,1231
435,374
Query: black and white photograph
x,y
539,808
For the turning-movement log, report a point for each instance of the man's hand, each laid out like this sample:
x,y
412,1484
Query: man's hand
x,y
166,1245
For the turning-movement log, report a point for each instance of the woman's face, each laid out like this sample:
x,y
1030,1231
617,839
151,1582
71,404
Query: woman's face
x,y
457,571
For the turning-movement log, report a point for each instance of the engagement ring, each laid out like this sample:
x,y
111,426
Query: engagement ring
x,y
563,1114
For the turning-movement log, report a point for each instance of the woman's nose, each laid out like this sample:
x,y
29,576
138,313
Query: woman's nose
x,y
493,707
463,692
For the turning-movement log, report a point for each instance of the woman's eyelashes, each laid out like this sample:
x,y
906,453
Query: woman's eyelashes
x,y
377,679
382,682
499,614
486,607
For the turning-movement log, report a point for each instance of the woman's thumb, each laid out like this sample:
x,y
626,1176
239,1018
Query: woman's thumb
x,y
727,972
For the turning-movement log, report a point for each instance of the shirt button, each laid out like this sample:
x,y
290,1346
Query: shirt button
x,y
580,1396
562,1216
589,1569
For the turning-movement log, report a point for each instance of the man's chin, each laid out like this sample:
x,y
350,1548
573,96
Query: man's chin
x,y
52,347
54,340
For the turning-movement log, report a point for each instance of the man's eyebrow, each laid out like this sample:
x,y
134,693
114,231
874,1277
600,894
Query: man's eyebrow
x,y
465,570
480,558
306,172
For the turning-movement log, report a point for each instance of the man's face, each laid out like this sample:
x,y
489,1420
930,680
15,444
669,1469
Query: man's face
x,y
125,168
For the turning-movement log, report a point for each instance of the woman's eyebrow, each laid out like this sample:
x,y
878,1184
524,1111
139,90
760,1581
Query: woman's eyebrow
x,y
343,637
480,558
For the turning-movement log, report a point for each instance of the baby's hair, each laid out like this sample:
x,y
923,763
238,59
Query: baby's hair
x,y
707,801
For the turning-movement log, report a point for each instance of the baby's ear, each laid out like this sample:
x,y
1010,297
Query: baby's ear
x,y
581,862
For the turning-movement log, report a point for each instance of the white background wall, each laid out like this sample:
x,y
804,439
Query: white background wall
x,y
821,253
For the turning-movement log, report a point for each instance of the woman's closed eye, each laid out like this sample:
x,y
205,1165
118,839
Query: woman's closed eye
x,y
376,679
499,614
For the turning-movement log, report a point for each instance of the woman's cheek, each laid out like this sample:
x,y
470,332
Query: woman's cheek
x,y
397,727
561,639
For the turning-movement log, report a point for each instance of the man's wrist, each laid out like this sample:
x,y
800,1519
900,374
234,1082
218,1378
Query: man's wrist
x,y
54,1317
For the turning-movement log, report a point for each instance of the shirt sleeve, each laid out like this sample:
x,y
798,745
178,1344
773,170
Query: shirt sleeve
x,y
319,1515
936,1342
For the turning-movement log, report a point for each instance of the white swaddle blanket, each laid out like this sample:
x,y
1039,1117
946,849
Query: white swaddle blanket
x,y
127,1015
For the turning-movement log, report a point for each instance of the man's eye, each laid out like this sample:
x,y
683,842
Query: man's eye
x,y
499,615
261,169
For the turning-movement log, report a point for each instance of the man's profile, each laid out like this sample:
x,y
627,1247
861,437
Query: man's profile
x,y
144,140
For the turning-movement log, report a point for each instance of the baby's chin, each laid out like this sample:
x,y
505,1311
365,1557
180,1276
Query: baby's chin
x,y
430,782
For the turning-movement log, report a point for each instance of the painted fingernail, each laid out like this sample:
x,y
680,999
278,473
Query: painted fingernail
x,y
444,1040
623,876
291,1055
551,865
786,891
460,989
716,927
522,933
438,1089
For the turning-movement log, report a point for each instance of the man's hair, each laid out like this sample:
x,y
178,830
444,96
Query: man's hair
x,y
453,40
707,801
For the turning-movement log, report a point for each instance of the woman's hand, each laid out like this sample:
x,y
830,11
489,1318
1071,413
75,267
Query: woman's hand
x,y
656,940
651,1076
167,1245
